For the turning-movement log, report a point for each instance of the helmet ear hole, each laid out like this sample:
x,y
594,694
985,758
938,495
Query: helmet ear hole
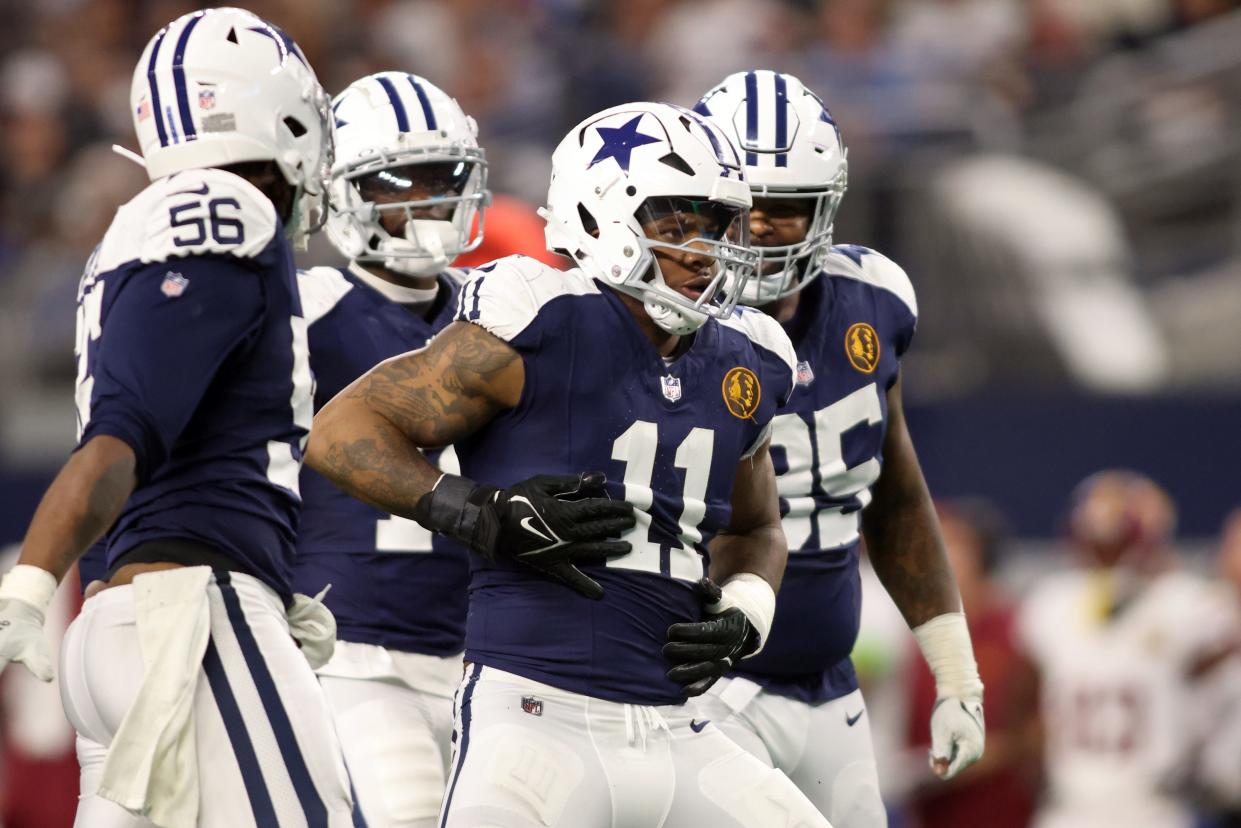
x,y
295,126
588,221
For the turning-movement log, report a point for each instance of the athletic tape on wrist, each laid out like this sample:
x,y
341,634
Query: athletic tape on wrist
x,y
946,646
752,595
31,584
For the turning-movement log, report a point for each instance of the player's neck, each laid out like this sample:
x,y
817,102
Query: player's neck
x,y
784,308
399,287
668,345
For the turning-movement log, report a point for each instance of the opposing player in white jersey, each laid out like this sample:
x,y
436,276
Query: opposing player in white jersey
x,y
1120,643
409,181
193,703
634,365
840,448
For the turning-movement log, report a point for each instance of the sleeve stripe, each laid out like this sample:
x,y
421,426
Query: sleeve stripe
x,y
474,312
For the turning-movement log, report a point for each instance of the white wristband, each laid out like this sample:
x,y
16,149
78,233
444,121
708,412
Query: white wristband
x,y
31,584
945,643
752,595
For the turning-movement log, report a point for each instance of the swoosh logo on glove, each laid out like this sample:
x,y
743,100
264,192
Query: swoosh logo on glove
x,y
527,524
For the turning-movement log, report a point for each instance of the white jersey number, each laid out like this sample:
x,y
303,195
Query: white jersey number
x,y
283,465
838,480
636,448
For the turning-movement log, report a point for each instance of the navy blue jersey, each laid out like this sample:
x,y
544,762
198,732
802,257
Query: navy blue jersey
x,y
391,584
598,396
853,323
191,348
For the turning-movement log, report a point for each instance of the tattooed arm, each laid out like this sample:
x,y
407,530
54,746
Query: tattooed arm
x,y
902,532
83,501
367,440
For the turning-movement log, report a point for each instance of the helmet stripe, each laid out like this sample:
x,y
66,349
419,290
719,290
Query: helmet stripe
x,y
427,112
402,120
751,116
782,119
156,109
178,78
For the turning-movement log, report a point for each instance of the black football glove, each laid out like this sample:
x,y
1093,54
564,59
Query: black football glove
x,y
706,650
551,523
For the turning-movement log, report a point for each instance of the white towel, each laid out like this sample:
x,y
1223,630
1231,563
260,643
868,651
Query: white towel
x,y
152,765
313,626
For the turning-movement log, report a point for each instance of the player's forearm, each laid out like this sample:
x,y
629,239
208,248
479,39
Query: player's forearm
x,y
83,501
762,551
368,457
907,552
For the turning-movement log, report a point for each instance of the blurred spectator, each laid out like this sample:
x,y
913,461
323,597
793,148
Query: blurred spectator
x,y
1000,788
1121,642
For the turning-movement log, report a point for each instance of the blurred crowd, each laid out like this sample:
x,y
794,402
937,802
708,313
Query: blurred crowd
x,y
1060,178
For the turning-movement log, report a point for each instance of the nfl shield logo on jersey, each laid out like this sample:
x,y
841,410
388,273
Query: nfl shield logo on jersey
x,y
531,705
174,285
805,375
672,388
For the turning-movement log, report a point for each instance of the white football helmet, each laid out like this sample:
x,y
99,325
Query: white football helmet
x,y
392,127
792,149
631,164
222,86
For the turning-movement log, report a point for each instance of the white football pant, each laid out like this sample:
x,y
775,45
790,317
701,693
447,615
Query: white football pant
x,y
527,755
267,751
825,749
393,714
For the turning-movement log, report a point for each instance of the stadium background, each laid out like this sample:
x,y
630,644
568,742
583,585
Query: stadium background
x,y
1061,179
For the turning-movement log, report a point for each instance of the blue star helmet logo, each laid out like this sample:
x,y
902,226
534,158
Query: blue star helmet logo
x,y
619,143
284,43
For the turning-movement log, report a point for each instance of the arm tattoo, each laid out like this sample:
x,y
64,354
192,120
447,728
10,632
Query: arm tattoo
x,y
368,440
440,393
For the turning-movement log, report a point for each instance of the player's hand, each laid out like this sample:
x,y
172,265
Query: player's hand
x,y
957,735
550,523
22,639
702,652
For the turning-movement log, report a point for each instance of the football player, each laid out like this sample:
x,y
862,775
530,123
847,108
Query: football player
x,y
1121,642
841,448
408,182
632,364
193,704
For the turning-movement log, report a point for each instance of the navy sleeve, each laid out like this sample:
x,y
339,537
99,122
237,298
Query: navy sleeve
x,y
158,353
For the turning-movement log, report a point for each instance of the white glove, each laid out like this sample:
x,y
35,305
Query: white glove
x,y
25,594
958,733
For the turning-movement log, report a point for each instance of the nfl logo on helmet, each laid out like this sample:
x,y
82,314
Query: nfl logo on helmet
x,y
206,98
672,388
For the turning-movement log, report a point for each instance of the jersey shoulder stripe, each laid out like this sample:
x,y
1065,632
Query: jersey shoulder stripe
x,y
506,296
874,268
768,334
193,213
321,288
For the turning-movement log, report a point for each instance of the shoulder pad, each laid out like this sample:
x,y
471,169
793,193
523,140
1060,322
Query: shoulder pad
x,y
506,295
193,213
874,268
765,332
321,289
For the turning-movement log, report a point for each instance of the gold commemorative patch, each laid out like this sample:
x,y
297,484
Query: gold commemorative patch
x,y
862,347
741,392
